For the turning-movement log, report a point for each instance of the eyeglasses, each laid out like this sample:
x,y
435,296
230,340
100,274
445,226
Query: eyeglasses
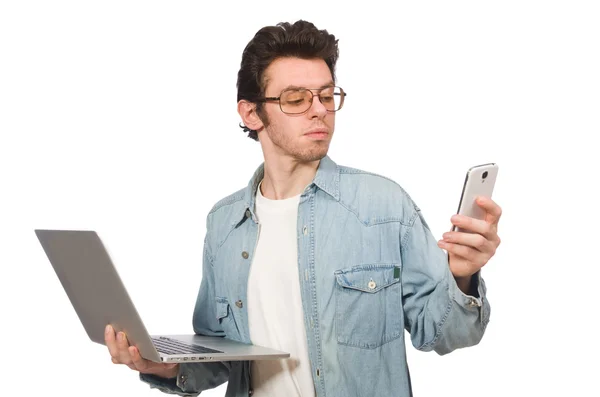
x,y
299,100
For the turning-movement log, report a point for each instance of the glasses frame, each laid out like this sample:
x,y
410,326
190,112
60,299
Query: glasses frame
x,y
343,94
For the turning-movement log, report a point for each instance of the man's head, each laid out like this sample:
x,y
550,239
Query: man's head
x,y
281,67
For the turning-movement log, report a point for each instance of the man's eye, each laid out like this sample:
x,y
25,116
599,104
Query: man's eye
x,y
293,101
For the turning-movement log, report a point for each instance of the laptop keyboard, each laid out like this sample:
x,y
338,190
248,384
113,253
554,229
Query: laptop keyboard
x,y
173,346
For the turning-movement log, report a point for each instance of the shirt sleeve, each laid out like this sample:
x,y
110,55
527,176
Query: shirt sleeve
x,y
438,315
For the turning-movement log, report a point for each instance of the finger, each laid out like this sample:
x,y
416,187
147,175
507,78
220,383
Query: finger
x,y
493,210
123,346
132,366
469,254
476,241
111,343
138,362
116,361
147,366
474,225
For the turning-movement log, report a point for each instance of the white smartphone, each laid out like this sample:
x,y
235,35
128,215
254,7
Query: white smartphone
x,y
480,181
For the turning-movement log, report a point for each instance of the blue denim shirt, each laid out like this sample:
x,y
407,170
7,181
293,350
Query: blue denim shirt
x,y
369,269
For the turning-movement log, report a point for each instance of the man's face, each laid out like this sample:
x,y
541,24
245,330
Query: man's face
x,y
304,137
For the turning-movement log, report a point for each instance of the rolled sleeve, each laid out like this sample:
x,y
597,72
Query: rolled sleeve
x,y
476,300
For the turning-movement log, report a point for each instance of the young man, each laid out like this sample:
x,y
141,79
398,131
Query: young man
x,y
326,262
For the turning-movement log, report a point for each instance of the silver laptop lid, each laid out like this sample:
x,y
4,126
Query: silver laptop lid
x,y
94,287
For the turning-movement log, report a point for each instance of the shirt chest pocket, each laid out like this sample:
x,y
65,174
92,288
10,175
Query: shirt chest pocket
x,y
368,305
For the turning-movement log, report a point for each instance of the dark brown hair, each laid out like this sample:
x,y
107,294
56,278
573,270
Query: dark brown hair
x,y
301,39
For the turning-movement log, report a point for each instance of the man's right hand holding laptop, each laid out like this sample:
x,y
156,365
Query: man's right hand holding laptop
x,y
122,353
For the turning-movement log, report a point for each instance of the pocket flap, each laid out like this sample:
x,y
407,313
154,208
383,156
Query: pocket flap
x,y
369,278
222,308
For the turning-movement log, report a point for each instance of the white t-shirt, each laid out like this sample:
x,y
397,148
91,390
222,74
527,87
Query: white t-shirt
x,y
275,314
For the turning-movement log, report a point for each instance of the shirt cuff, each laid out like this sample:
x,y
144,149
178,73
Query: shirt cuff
x,y
475,300
180,385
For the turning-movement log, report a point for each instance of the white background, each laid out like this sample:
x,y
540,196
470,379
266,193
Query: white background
x,y
120,116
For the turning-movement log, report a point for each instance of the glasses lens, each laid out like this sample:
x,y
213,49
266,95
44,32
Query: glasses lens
x,y
332,98
295,101
299,100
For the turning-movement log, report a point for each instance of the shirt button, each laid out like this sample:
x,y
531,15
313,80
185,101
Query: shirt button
x,y
250,392
244,255
239,304
372,284
183,378
248,214
305,230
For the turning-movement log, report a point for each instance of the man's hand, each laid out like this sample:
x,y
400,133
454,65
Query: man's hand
x,y
469,252
122,353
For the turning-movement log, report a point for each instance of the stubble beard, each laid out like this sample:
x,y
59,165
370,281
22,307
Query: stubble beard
x,y
316,150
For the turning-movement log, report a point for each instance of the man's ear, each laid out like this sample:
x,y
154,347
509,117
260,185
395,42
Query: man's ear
x,y
247,112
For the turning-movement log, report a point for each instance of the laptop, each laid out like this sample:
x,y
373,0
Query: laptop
x,y
99,298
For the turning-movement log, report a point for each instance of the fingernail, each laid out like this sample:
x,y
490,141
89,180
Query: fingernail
x,y
120,336
107,330
446,235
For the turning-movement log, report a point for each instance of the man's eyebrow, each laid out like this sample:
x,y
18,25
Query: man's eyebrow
x,y
295,87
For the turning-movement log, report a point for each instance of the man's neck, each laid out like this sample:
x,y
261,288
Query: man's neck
x,y
286,177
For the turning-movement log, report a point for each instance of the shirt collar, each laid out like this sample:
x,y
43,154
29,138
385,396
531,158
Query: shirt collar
x,y
327,179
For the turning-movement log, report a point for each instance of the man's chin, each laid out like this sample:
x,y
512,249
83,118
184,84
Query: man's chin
x,y
314,155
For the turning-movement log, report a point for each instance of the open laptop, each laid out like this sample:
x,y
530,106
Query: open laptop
x,y
99,297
